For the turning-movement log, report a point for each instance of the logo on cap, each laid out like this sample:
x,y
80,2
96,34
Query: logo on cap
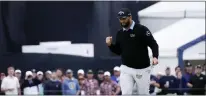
x,y
121,13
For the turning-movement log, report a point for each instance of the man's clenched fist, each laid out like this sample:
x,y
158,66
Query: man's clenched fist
x,y
109,40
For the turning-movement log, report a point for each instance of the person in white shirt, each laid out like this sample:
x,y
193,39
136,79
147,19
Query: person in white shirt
x,y
10,84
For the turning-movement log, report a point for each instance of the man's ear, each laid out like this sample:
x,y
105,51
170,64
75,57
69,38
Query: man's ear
x,y
130,17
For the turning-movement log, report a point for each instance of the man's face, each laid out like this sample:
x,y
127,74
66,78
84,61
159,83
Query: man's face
x,y
189,68
59,73
167,72
34,75
48,76
81,80
70,75
53,75
18,75
40,77
2,76
179,74
100,76
125,22
198,70
80,74
107,78
30,77
11,71
116,73
90,76
178,70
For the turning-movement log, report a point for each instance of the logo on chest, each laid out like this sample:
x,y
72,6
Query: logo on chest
x,y
132,35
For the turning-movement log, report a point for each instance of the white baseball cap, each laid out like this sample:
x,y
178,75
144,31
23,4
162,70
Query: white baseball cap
x,y
28,73
116,68
40,73
80,71
18,71
49,72
107,73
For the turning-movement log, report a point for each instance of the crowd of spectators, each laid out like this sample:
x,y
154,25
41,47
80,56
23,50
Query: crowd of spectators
x,y
57,82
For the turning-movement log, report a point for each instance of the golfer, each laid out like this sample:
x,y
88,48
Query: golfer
x,y
131,44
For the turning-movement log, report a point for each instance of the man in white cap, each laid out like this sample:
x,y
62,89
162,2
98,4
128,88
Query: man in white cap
x,y
10,84
40,77
18,75
108,86
48,74
70,85
116,76
30,84
80,72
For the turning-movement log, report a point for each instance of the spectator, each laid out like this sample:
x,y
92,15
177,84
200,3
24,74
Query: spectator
x,y
188,74
100,76
197,82
109,87
181,84
154,82
177,69
92,86
59,73
167,83
116,74
40,77
80,72
30,85
70,85
34,73
48,75
53,86
10,84
2,77
82,85
188,71
18,75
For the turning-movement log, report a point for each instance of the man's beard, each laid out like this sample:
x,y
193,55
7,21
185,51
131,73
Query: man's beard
x,y
125,25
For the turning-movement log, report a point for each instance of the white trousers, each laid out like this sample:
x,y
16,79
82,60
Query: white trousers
x,y
130,78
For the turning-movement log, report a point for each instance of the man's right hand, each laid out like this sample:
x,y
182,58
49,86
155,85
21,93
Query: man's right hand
x,y
109,40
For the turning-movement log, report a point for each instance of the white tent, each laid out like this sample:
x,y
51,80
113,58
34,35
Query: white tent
x,y
173,37
174,9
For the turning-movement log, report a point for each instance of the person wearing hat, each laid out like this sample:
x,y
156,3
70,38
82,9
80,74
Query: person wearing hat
x,y
48,75
34,73
40,77
92,85
100,76
30,84
80,72
167,83
70,85
116,76
132,42
197,82
18,75
53,84
109,87
188,71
